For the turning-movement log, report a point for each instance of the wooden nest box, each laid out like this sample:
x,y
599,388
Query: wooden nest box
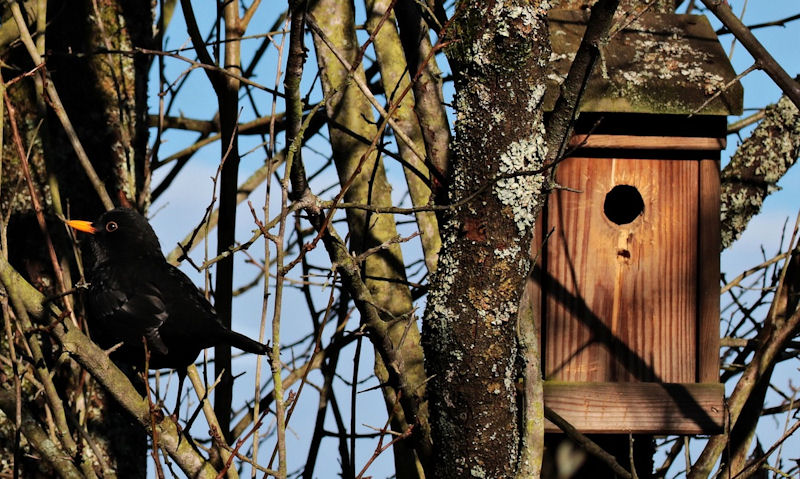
x,y
627,275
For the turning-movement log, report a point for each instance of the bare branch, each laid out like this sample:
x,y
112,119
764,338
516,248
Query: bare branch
x,y
725,15
50,450
758,164
565,111
775,23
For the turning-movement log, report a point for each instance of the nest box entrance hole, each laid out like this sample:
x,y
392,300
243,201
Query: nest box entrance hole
x,y
623,204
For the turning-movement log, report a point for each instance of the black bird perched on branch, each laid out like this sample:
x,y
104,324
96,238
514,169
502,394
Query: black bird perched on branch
x,y
134,293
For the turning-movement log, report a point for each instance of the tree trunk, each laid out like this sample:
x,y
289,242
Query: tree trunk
x,y
105,97
359,167
499,63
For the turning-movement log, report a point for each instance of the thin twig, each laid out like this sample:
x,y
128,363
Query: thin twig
x,y
750,468
775,71
398,131
37,205
738,279
751,68
380,450
208,412
775,23
385,245
155,412
738,125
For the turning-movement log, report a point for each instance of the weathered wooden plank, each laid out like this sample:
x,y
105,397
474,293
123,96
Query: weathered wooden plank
x,y
645,408
708,272
647,142
620,301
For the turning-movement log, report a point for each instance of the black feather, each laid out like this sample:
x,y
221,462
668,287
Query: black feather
x,y
134,294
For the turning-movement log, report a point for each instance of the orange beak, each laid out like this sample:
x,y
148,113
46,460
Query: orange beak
x,y
80,225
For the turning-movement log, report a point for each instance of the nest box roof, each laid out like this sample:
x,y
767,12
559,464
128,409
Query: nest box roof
x,y
660,63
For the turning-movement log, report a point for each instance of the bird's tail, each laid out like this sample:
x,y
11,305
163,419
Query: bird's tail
x,y
246,344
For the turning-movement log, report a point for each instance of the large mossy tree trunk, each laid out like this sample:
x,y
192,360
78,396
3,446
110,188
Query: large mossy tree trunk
x,y
499,61
104,95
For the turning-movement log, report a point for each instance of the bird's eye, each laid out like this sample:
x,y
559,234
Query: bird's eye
x,y
111,226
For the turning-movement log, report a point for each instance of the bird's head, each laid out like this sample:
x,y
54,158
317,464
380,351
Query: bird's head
x,y
119,233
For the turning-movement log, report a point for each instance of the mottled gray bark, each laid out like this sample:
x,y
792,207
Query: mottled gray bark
x,y
758,164
470,322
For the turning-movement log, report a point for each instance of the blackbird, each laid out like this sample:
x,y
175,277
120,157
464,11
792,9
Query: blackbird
x,y
134,293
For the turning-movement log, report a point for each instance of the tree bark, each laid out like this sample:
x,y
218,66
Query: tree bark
x,y
754,170
428,94
395,80
362,172
499,64
104,96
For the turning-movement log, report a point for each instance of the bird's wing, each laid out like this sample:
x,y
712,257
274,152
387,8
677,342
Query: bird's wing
x,y
194,313
138,307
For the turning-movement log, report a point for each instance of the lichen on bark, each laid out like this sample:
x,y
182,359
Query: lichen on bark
x,y
469,331
754,170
